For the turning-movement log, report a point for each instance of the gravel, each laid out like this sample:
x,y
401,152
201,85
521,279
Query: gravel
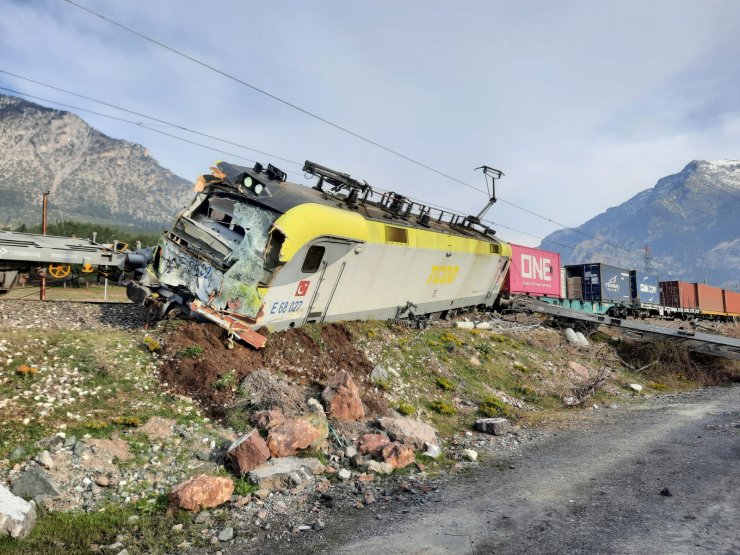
x,y
26,314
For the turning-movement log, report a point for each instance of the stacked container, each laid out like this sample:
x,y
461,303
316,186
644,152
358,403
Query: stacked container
x,y
679,294
709,299
599,283
732,302
644,287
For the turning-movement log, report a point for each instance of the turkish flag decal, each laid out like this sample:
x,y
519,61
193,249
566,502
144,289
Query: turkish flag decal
x,y
302,288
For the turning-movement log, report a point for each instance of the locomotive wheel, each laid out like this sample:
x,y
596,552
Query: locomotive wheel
x,y
59,271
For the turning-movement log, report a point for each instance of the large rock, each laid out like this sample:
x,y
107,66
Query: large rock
x,y
201,492
411,431
267,419
342,398
373,444
398,455
494,426
17,516
285,472
248,452
290,437
34,483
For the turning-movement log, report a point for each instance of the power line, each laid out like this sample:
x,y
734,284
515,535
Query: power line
x,y
324,120
153,118
137,123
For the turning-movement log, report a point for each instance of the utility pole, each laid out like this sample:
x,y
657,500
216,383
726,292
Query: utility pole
x,y
44,209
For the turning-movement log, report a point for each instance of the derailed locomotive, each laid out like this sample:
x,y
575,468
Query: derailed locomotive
x,y
254,251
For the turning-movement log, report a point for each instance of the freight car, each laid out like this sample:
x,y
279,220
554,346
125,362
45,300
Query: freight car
x,y
254,251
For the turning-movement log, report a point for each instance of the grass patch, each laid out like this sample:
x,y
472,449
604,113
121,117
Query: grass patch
x,y
242,486
227,380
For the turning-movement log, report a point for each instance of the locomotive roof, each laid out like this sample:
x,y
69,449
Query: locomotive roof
x,y
281,196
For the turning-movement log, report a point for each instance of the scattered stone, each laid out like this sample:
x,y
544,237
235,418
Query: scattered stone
x,y
410,431
45,460
102,481
34,483
17,516
432,450
398,455
342,398
177,528
50,442
284,472
248,452
70,441
157,428
579,369
114,546
470,455
344,474
373,444
201,492
202,518
319,525
109,448
636,387
474,361
17,453
304,528
262,493
494,426
226,534
267,419
379,467
379,374
350,451
291,436
665,492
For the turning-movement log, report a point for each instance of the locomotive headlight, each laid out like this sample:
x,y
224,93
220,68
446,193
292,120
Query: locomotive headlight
x,y
258,188
248,182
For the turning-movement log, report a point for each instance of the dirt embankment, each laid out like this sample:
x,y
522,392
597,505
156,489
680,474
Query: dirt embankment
x,y
200,364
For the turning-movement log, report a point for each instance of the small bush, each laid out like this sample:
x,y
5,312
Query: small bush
x,y
242,486
491,407
193,351
443,407
227,380
445,383
26,370
449,338
127,421
383,385
152,344
407,409
519,366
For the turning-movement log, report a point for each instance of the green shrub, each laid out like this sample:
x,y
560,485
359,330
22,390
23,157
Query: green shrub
x,y
491,407
407,409
443,407
445,383
194,351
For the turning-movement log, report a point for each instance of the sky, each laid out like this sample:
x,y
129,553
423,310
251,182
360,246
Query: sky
x,y
581,104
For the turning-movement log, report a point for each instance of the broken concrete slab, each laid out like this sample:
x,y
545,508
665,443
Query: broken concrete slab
x,y
494,426
17,516
285,472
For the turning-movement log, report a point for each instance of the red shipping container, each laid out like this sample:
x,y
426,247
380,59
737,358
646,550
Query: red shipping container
x,y
678,294
732,302
709,298
533,272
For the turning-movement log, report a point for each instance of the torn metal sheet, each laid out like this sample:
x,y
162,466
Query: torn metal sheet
x,y
232,325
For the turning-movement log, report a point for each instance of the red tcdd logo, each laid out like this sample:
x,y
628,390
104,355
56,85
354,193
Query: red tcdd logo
x,y
302,288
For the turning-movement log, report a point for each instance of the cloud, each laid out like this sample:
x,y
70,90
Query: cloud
x,y
580,104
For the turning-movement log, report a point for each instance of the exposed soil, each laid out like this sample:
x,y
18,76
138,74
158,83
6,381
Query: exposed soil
x,y
308,361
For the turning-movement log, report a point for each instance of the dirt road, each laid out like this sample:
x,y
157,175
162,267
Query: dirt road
x,y
592,488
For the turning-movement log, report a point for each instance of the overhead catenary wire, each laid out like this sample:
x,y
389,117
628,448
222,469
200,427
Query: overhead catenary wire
x,y
138,124
153,118
326,121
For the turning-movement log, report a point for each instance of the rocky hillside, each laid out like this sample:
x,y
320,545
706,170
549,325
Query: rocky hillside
x,y
92,177
690,220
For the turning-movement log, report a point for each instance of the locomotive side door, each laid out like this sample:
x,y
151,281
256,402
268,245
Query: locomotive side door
x,y
324,265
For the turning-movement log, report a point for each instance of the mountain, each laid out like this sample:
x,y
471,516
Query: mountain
x,y
690,221
92,177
